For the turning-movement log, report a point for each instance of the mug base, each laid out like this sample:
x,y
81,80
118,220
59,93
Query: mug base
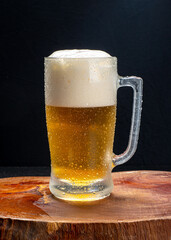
x,y
96,190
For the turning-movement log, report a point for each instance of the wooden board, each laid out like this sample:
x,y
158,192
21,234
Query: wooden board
x,y
138,208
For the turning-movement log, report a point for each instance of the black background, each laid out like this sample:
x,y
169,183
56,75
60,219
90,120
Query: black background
x,y
137,32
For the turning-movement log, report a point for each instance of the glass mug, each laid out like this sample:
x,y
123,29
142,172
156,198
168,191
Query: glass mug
x,y
80,99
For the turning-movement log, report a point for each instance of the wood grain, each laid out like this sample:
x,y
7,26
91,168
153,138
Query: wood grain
x,y
138,208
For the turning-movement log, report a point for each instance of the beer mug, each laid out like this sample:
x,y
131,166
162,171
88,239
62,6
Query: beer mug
x,y
81,101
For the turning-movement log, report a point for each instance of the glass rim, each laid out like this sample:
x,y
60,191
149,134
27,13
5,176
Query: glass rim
x,y
81,58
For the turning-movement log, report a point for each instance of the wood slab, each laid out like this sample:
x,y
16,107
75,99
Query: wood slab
x,y
138,208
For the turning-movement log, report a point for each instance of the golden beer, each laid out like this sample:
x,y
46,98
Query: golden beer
x,y
80,98
81,142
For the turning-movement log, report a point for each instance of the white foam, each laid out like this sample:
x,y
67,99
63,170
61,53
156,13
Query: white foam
x,y
75,53
80,78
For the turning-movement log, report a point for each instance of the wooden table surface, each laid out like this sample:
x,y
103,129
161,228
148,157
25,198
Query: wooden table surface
x,y
138,208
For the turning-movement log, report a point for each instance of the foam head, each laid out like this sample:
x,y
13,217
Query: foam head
x,y
80,78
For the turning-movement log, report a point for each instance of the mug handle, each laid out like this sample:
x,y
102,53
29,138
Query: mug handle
x,y
137,85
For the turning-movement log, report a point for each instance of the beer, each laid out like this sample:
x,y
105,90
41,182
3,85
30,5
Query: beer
x,y
80,99
81,142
